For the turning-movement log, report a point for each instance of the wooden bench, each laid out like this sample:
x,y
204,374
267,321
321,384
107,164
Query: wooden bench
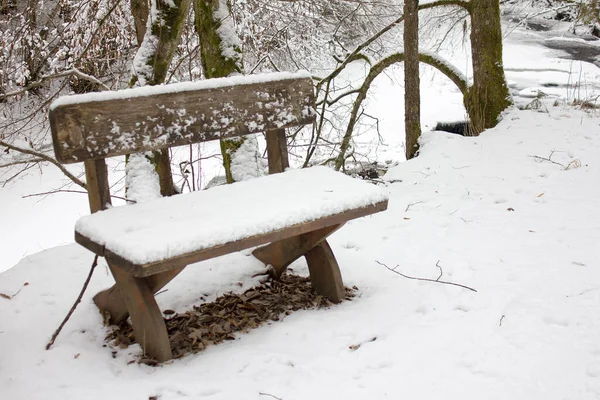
x,y
146,245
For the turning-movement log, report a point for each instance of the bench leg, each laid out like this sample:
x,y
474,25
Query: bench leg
x,y
148,324
111,301
325,274
282,253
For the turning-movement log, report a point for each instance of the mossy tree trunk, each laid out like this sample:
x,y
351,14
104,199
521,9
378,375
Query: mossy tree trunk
x,y
165,20
412,95
139,10
221,56
488,97
154,57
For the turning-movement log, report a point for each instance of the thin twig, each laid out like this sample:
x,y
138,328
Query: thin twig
x,y
73,191
546,159
270,395
85,285
425,279
437,264
412,204
21,162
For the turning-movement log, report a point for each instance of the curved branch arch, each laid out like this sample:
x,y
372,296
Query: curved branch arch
x,y
375,71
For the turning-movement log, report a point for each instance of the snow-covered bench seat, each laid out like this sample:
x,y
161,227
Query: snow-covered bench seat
x,y
289,214
173,232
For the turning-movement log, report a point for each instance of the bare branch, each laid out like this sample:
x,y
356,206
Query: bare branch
x,y
341,96
85,285
73,191
375,71
45,158
270,395
546,159
19,162
355,55
425,279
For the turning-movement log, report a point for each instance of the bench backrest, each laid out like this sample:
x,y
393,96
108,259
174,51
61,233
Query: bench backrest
x,y
94,126
107,124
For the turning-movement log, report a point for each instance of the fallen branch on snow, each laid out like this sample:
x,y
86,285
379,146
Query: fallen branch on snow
x,y
426,279
85,285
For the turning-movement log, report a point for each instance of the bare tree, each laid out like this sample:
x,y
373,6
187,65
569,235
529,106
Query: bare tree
x,y
412,96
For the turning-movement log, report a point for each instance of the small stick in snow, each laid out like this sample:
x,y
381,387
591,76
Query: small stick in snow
x,y
546,159
9,297
85,285
270,395
501,318
425,279
412,204
437,264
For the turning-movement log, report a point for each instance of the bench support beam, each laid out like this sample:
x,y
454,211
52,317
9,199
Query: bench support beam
x,y
110,300
325,275
148,324
282,253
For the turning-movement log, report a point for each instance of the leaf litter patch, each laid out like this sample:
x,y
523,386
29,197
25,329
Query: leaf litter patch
x,y
230,314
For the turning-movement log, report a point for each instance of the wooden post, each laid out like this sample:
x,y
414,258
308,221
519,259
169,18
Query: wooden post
x,y
277,151
96,175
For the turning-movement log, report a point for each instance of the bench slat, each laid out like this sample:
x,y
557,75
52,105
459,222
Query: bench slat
x,y
108,124
172,232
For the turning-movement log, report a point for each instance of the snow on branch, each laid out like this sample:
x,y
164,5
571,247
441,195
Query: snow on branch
x,y
441,3
230,42
142,68
445,67
45,78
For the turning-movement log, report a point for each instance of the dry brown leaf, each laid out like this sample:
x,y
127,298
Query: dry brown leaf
x,y
218,321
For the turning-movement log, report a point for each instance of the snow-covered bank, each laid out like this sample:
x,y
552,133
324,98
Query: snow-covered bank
x,y
521,230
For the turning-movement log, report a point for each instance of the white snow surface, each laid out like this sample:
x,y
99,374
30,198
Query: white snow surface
x,y
530,332
168,227
141,180
246,161
178,87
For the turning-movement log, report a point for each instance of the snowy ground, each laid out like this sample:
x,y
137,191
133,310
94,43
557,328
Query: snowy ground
x,y
520,230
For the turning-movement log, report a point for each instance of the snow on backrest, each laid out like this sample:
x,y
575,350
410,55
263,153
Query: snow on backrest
x,y
107,124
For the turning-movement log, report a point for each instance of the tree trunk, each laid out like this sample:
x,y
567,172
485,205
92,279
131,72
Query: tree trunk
x,y
140,10
489,95
412,96
221,56
153,59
